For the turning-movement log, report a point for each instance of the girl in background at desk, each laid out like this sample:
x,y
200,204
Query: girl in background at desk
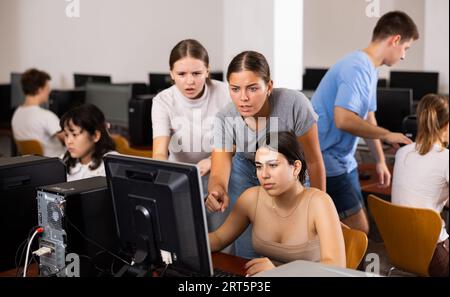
x,y
290,222
87,141
421,170
257,108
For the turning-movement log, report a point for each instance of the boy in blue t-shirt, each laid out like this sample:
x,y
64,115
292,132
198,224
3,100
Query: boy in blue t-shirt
x,y
345,101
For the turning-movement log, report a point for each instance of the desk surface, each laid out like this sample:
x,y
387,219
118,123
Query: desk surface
x,y
370,186
221,261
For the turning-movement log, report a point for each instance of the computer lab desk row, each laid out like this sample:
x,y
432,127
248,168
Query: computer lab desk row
x,y
222,261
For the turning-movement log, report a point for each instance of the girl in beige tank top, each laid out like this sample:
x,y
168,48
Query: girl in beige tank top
x,y
290,222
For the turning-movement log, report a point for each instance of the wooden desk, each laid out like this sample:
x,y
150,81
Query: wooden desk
x,y
221,261
370,186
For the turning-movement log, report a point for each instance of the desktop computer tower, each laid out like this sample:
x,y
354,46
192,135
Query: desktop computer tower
x,y
77,217
140,120
19,177
60,101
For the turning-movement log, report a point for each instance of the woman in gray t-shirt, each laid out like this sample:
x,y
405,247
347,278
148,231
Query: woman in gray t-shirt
x,y
257,108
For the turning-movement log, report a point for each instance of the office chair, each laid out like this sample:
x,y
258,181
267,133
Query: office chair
x,y
355,246
123,147
410,234
29,147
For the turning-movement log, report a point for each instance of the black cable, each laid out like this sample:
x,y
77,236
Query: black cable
x,y
95,243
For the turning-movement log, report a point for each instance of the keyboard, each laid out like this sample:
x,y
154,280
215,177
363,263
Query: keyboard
x,y
222,273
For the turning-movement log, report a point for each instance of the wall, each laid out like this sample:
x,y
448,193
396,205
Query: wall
x,y
436,40
124,40
335,28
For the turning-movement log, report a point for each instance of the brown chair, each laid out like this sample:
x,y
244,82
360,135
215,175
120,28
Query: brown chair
x,y
123,147
29,147
410,234
355,246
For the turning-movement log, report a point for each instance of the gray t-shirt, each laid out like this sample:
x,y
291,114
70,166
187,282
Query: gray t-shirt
x,y
290,110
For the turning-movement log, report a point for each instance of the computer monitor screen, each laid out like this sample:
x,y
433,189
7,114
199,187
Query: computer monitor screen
x,y
17,95
159,82
81,79
216,75
421,83
160,213
312,77
382,83
393,105
112,100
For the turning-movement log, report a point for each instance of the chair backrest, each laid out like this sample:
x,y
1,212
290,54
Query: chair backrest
x,y
410,234
29,147
355,246
123,147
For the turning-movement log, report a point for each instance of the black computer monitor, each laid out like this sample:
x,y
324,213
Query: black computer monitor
x,y
17,95
81,79
61,101
216,75
160,214
382,83
421,83
159,82
112,100
5,105
393,105
312,77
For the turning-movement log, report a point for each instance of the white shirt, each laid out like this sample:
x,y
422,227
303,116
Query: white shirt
x,y
36,123
189,122
421,181
81,171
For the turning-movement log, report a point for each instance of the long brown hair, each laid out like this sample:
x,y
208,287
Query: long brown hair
x,y
432,116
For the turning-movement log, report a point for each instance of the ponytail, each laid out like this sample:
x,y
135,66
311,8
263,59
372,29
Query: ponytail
x,y
432,115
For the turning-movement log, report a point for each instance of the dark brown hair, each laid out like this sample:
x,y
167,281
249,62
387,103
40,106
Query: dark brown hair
x,y
395,23
432,116
32,80
89,118
286,143
250,61
188,48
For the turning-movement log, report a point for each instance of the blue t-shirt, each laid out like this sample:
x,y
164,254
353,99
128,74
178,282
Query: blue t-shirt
x,y
351,84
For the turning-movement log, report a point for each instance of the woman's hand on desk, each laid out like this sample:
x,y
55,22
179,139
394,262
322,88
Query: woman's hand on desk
x,y
384,176
258,265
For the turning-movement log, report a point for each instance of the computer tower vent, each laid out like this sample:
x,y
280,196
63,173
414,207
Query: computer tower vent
x,y
54,215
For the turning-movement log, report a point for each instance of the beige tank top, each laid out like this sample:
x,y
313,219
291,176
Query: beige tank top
x,y
284,253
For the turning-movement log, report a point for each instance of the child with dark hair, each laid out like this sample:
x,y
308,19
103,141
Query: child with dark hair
x,y
32,122
87,141
290,221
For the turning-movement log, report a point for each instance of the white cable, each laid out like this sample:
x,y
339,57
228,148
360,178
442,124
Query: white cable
x,y
28,251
